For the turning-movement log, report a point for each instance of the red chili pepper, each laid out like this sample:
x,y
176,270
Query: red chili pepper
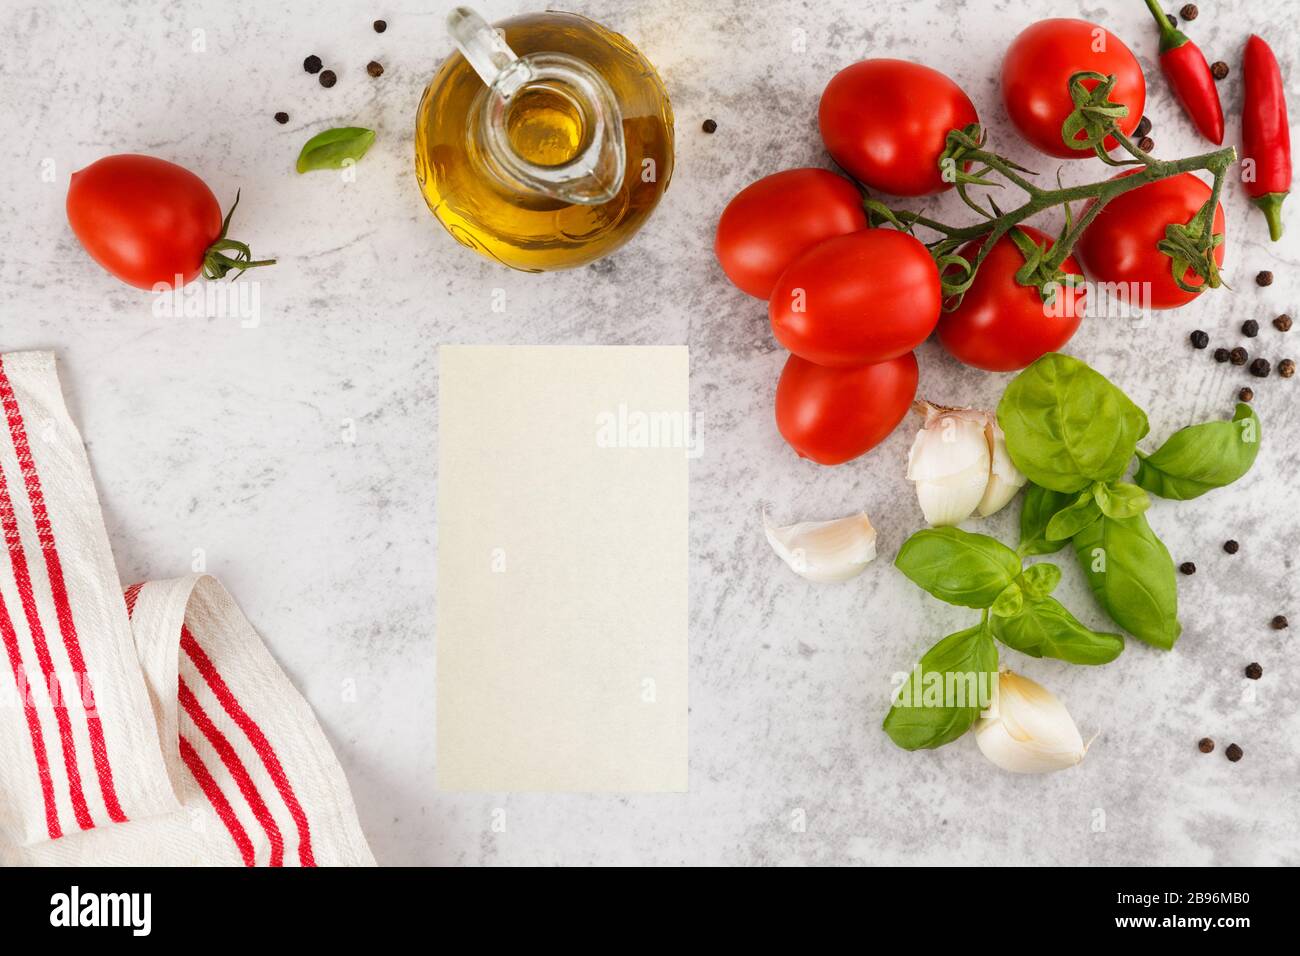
x,y
1189,76
1265,133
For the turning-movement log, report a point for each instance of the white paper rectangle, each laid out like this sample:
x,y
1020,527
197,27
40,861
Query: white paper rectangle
x,y
562,568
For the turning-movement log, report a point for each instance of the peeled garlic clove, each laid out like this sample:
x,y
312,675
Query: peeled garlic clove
x,y
949,462
1005,479
825,551
1028,729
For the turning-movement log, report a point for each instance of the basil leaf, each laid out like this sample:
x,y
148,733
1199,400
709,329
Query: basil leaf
x,y
957,566
1202,457
1068,522
1010,601
1132,576
946,692
1067,426
335,148
1121,500
1040,580
1044,628
1039,505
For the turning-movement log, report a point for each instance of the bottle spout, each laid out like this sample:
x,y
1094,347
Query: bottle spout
x,y
593,174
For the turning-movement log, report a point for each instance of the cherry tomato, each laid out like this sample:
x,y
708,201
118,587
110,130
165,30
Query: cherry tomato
x,y
856,299
1120,245
832,415
1036,74
885,122
772,222
1000,325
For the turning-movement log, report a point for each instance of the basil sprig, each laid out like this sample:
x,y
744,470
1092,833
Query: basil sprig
x,y
941,699
1074,434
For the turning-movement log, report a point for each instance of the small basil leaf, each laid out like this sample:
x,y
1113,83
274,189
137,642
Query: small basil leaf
x,y
957,566
1040,580
946,692
1010,601
1067,426
1202,457
1044,628
1068,522
335,148
1121,500
1132,576
1039,505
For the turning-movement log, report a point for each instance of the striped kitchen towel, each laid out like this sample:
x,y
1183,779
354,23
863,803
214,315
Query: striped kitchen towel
x,y
149,726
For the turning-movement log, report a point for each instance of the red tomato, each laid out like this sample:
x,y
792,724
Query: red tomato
x,y
834,414
885,122
774,221
1120,245
856,299
143,219
1000,325
1036,75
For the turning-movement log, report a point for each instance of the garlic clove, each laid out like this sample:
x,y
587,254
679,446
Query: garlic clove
x,y
1028,730
949,462
825,551
1005,479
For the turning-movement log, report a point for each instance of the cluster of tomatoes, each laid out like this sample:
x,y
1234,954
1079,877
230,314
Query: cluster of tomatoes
x,y
851,302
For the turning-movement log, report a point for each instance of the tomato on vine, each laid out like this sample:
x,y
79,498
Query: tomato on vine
x,y
1122,244
886,122
1036,75
999,324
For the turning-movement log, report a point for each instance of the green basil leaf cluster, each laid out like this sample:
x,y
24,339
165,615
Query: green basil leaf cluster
x,y
976,571
1074,434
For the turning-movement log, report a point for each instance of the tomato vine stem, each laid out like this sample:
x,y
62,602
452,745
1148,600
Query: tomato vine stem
x,y
966,162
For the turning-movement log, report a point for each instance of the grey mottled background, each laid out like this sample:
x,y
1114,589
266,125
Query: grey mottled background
x,y
205,435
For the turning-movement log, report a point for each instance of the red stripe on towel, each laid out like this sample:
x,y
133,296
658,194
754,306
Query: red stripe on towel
x,y
237,770
131,595
255,736
218,800
33,722
63,610
23,582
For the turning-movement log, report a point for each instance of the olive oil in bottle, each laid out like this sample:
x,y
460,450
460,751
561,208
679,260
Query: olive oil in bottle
x,y
543,145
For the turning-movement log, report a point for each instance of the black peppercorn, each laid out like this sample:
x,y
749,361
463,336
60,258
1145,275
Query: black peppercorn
x,y
380,26
1187,567
1173,21
282,117
375,68
709,126
1250,328
1219,70
1260,368
1220,355
312,64
1279,623
1233,753
1286,368
1231,546
1247,394
328,79
1205,745
1146,144
1143,127
1282,323
1189,11
1238,356
1254,671
1264,278
1199,339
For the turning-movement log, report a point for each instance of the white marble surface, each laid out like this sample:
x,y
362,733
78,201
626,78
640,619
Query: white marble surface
x,y
207,435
